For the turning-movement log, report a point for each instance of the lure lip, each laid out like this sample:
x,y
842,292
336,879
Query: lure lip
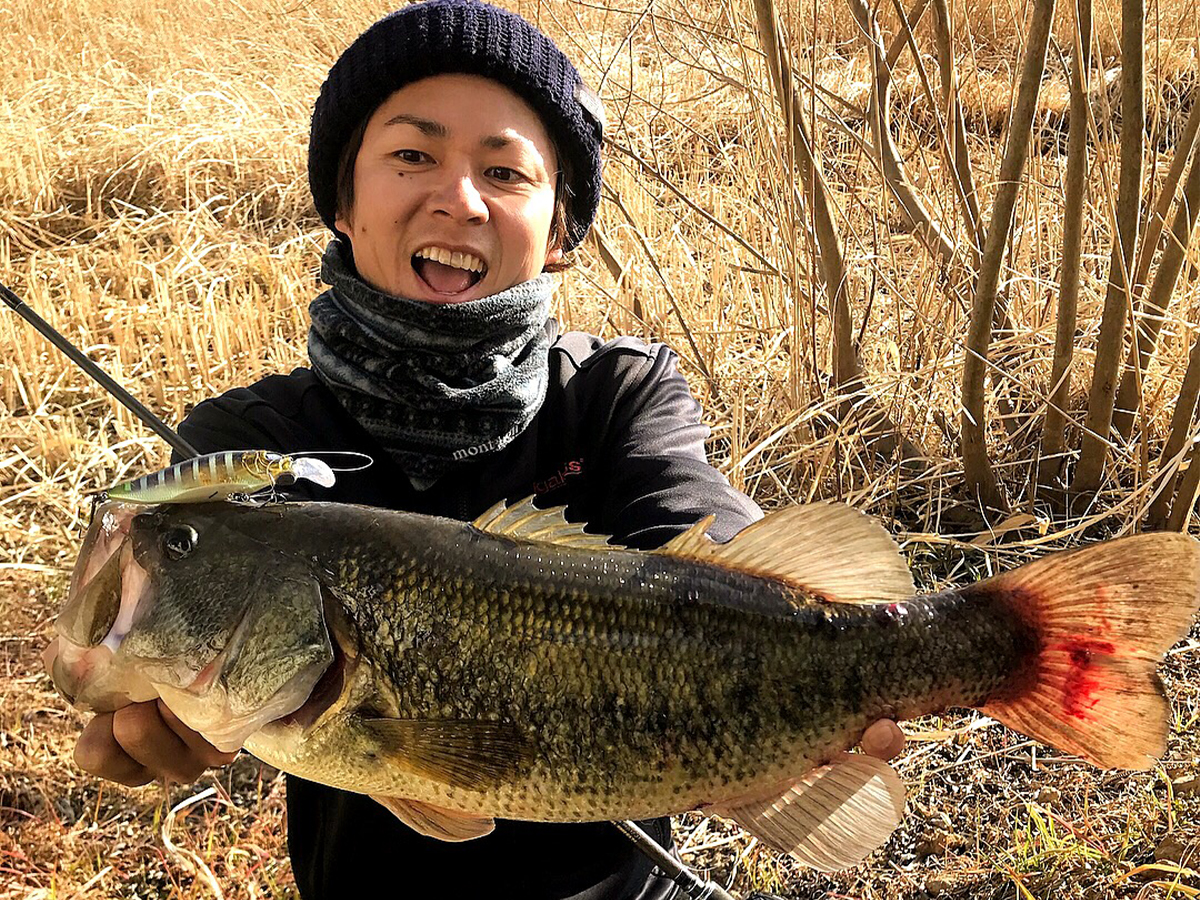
x,y
312,469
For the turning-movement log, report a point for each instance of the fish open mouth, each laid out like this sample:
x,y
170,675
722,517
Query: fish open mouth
x,y
448,273
125,636
109,592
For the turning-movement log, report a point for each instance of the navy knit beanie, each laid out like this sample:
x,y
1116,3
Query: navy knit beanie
x,y
441,36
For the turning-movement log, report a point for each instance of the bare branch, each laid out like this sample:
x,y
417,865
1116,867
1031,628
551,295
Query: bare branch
x,y
877,429
1189,484
1053,437
1118,298
829,244
708,217
960,157
1180,437
977,467
1148,315
894,174
910,22
698,358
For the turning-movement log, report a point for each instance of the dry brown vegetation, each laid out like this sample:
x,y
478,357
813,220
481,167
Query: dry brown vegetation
x,y
155,209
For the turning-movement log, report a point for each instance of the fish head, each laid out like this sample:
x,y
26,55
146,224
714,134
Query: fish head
x,y
195,604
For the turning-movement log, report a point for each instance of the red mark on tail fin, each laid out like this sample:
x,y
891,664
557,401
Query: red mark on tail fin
x,y
1082,684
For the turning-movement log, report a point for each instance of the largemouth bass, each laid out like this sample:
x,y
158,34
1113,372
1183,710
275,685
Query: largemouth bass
x,y
518,667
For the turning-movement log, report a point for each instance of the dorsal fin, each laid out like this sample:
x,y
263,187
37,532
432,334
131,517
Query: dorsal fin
x,y
827,549
524,521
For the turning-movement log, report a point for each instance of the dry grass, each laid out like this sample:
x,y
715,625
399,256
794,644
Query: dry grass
x,y
155,210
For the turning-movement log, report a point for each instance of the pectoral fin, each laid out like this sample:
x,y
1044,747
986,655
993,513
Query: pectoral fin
x,y
435,822
832,817
463,753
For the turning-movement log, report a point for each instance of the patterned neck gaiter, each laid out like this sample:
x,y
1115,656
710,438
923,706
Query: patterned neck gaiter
x,y
434,383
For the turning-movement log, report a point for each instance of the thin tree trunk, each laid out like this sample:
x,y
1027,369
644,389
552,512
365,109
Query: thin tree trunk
x,y
894,174
1148,315
1119,296
830,256
907,24
1053,436
878,430
1186,498
1181,427
961,159
977,468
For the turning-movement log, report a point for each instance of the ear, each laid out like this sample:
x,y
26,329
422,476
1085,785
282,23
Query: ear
x,y
342,224
554,255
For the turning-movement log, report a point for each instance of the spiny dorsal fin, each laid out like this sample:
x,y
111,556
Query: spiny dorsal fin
x,y
827,549
524,521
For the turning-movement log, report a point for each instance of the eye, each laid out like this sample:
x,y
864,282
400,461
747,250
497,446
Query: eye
x,y
179,540
413,157
505,175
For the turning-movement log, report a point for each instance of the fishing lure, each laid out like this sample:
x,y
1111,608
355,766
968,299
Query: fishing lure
x,y
219,476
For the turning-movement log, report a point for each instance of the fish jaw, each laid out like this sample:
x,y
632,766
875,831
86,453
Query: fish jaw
x,y
89,680
109,590
133,628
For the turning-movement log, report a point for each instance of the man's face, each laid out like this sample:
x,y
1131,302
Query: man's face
x,y
453,192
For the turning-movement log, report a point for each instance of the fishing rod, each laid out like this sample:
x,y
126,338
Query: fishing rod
x,y
22,309
691,884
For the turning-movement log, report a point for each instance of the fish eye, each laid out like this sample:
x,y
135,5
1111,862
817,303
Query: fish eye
x,y
179,541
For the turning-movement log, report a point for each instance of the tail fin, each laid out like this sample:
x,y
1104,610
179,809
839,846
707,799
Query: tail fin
x,y
1105,615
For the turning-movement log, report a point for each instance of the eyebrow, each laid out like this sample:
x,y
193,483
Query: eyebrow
x,y
437,129
425,126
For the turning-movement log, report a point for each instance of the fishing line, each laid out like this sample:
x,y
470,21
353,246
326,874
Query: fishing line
x,y
370,461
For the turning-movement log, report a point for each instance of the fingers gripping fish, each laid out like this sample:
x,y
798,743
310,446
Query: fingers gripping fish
x,y
518,667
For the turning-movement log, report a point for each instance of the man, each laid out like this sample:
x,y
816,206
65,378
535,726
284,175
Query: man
x,y
455,155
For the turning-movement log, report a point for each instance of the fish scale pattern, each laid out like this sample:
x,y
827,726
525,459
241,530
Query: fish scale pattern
x,y
642,681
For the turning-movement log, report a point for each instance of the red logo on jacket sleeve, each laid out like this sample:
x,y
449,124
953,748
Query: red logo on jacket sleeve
x,y
557,480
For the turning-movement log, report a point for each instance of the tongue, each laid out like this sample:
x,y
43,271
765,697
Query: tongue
x,y
444,279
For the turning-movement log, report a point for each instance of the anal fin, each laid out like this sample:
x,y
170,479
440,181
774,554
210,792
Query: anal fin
x,y
435,822
831,818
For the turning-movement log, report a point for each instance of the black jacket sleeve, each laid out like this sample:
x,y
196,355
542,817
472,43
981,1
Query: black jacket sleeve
x,y
265,416
657,479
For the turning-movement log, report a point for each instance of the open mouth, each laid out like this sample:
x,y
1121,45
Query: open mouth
x,y
448,273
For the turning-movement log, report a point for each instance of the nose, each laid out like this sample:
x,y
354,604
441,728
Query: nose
x,y
458,197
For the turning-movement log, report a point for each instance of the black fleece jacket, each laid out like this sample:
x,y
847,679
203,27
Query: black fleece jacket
x,y
618,441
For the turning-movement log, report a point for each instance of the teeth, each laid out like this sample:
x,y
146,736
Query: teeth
x,y
447,258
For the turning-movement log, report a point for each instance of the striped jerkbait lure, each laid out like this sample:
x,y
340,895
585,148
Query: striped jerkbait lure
x,y
218,476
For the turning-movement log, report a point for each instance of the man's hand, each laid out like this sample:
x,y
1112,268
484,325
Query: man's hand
x,y
883,740
143,742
